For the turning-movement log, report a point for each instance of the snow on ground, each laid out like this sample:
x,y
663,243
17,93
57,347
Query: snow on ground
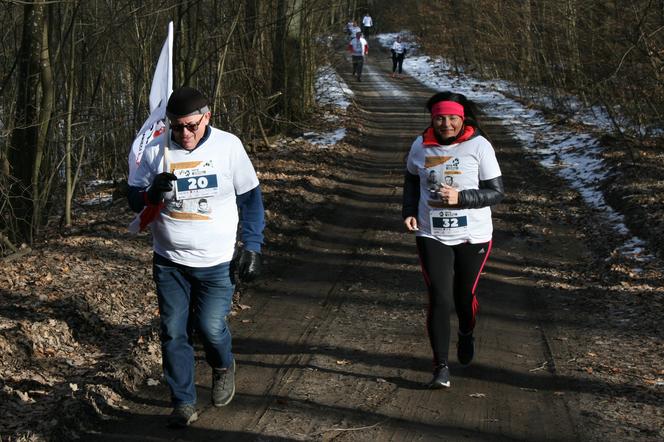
x,y
96,200
572,155
95,192
331,90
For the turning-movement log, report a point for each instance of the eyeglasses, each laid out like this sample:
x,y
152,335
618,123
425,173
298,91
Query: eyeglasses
x,y
191,127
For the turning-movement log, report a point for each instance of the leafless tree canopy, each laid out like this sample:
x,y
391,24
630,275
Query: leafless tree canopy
x,y
75,78
75,74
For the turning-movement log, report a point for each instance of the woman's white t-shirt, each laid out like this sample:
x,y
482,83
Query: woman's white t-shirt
x,y
359,46
462,166
398,47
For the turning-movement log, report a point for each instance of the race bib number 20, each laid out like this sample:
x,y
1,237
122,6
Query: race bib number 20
x,y
191,184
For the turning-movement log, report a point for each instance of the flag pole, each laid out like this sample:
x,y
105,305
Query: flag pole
x,y
154,127
167,143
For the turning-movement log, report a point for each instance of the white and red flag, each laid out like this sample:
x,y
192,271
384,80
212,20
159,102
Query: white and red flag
x,y
155,125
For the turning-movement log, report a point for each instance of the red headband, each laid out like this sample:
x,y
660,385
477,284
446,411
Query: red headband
x,y
447,108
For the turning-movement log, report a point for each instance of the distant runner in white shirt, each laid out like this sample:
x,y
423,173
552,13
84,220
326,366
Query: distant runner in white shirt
x,y
367,24
353,29
398,54
358,48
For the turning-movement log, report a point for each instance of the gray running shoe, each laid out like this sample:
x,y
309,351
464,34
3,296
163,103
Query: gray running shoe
x,y
182,416
441,378
223,385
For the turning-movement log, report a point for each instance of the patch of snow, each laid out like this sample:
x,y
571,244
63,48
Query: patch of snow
x,y
331,89
326,139
94,201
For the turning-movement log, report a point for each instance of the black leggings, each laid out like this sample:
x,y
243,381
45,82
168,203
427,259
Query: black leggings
x,y
397,60
451,274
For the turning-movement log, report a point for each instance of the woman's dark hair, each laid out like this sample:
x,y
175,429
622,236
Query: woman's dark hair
x,y
469,108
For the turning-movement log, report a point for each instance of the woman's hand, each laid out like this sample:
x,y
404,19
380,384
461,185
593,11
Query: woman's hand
x,y
449,195
411,224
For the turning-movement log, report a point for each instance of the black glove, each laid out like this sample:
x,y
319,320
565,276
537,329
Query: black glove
x,y
160,184
249,265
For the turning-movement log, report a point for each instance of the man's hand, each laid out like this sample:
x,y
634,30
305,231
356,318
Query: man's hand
x,y
249,265
162,183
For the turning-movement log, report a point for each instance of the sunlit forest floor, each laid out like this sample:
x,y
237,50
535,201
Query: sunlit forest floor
x,y
78,314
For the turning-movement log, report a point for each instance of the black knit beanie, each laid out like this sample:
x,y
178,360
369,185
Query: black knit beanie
x,y
186,101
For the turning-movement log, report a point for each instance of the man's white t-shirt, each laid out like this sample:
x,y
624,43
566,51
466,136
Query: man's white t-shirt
x,y
367,21
462,166
359,46
198,225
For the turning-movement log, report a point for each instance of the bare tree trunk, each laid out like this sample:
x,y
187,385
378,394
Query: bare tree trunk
x,y
25,136
575,79
39,192
527,62
279,75
69,187
251,22
189,41
307,62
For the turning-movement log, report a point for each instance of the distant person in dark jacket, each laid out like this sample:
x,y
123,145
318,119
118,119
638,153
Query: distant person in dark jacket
x,y
451,220
398,54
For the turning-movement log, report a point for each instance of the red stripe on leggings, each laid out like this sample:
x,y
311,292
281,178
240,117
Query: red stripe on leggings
x,y
476,303
482,267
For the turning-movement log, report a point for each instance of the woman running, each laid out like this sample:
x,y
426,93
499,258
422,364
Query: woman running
x,y
452,178
398,50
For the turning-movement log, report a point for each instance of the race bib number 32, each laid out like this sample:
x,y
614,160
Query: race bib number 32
x,y
445,222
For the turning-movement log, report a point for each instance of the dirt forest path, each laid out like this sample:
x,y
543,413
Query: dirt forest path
x,y
334,346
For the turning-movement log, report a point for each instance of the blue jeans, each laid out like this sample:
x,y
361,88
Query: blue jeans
x,y
192,297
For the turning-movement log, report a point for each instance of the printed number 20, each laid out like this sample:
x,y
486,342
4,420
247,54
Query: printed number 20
x,y
198,183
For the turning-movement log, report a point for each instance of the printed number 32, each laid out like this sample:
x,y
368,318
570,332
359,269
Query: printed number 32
x,y
198,183
449,223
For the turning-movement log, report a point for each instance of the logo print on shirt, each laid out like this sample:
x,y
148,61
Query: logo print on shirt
x,y
452,168
435,161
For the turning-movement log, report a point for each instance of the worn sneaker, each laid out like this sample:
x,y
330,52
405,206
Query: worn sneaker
x,y
182,416
223,385
465,348
441,378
